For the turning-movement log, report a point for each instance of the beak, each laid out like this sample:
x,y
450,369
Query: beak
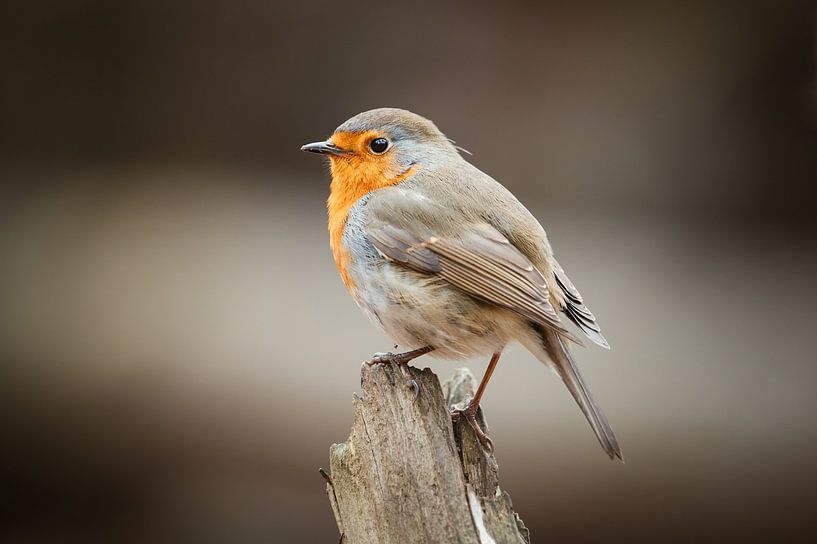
x,y
324,148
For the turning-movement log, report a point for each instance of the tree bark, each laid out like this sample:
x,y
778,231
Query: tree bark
x,y
407,475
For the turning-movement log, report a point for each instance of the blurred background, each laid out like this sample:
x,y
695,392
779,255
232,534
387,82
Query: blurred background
x,y
177,351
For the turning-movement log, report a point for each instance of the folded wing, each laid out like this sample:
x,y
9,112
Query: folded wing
x,y
481,262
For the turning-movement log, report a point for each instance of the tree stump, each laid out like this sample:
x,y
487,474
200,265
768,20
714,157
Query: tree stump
x,y
407,475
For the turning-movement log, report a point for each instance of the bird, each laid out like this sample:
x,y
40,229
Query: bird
x,y
447,261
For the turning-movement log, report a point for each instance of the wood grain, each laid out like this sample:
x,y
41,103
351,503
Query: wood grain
x,y
407,475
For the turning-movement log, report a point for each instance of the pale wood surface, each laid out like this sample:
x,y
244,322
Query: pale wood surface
x,y
406,475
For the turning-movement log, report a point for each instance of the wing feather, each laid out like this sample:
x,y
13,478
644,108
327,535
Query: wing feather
x,y
481,262
575,308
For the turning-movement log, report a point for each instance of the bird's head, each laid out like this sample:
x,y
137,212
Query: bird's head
x,y
381,147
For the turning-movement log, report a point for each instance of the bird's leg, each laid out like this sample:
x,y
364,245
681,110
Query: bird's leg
x,y
401,359
470,412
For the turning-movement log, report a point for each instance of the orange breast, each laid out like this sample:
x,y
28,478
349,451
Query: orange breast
x,y
354,176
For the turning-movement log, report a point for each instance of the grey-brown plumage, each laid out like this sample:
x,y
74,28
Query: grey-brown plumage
x,y
447,257
481,262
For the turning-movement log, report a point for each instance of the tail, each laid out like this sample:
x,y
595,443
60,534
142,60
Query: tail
x,y
553,351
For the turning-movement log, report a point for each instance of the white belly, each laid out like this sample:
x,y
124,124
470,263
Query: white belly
x,y
417,310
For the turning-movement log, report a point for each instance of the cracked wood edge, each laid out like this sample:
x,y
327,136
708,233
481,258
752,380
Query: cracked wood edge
x,y
406,475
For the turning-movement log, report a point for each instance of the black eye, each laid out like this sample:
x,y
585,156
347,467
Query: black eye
x,y
379,145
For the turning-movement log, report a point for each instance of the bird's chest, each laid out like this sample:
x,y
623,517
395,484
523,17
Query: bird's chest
x,y
358,261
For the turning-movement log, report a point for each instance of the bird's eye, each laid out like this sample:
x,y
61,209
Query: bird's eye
x,y
379,145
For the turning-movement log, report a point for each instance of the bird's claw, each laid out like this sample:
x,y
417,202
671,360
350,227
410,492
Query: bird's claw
x,y
415,387
389,358
470,415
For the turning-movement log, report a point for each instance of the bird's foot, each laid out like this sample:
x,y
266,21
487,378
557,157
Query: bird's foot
x,y
389,358
470,415
400,359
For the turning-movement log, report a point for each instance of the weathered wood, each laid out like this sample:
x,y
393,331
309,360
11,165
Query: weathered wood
x,y
406,475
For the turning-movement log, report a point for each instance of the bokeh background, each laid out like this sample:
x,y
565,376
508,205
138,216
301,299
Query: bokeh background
x,y
178,352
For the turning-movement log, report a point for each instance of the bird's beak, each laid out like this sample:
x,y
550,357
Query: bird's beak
x,y
324,148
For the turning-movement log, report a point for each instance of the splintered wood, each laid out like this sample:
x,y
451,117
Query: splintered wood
x,y
407,475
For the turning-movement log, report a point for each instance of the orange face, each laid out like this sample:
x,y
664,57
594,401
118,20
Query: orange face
x,y
359,170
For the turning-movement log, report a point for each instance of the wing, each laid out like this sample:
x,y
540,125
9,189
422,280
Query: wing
x,y
481,262
575,308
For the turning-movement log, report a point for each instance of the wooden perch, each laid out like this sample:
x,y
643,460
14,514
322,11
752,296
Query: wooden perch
x,y
406,475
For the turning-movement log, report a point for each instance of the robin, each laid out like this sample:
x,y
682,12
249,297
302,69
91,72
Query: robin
x,y
445,259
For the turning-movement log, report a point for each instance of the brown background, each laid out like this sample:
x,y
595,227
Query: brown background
x,y
178,353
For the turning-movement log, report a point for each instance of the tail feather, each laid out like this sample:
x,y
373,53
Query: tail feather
x,y
559,357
